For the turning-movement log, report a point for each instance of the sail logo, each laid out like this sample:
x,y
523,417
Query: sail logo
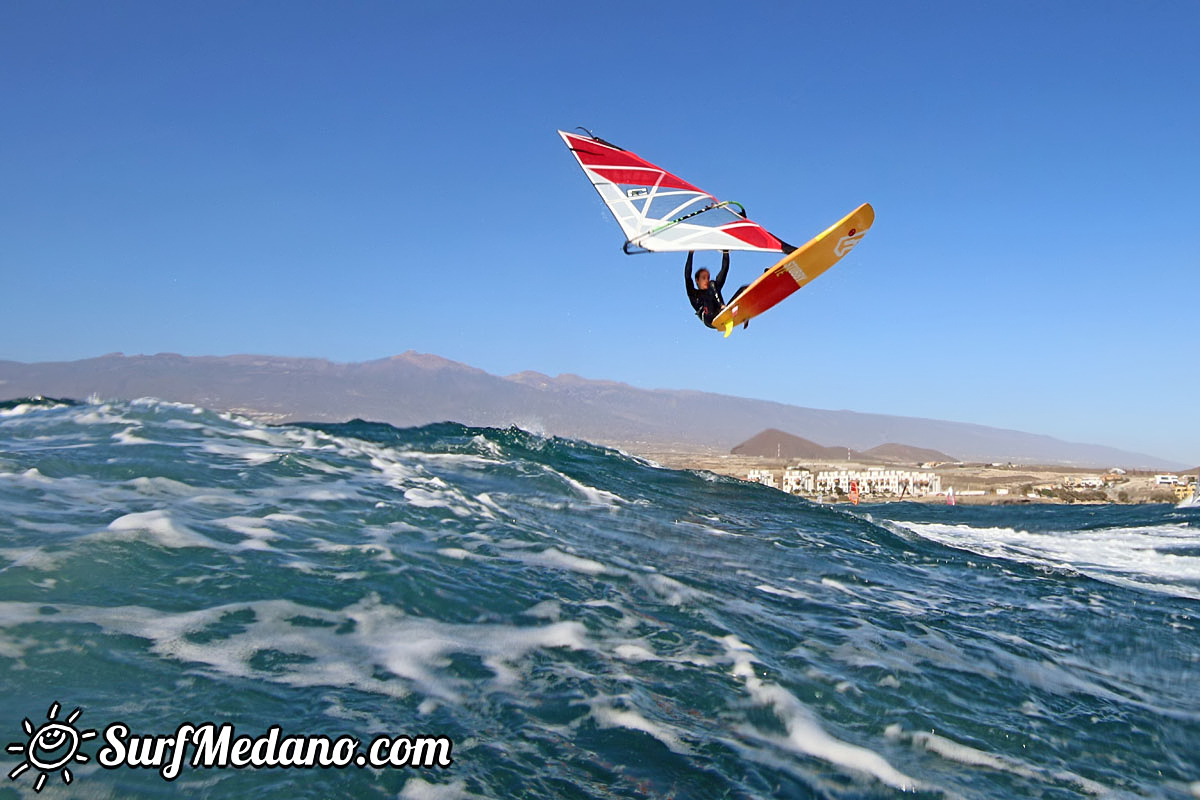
x,y
847,242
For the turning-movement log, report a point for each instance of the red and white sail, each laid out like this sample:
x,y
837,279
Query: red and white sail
x,y
661,212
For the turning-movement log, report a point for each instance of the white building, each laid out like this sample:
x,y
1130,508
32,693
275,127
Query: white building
x,y
763,476
1166,480
880,481
798,480
1086,482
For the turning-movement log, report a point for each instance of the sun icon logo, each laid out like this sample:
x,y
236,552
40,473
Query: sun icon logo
x,y
51,746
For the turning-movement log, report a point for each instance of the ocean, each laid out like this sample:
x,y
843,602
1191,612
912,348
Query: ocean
x,y
565,620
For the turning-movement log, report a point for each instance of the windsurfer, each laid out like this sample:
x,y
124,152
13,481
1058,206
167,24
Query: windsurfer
x,y
705,294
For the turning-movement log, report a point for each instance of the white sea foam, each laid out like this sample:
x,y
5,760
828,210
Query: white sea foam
x,y
607,716
158,527
30,558
32,475
63,529
159,486
397,473
456,552
483,443
547,609
253,455
321,495
969,755
792,593
15,648
1140,556
374,549
486,499
226,499
318,465
404,472
634,652
101,414
154,403
557,559
717,531
24,408
457,459
273,438
841,587
287,489
183,425
282,517
309,439
253,528
382,641
669,590
419,789
595,496
974,757
129,436
804,733
906,608
451,501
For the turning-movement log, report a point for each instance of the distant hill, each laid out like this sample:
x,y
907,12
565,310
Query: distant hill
x,y
905,454
415,389
773,443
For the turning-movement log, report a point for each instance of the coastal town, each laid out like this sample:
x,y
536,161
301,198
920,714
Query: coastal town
x,y
895,472
989,484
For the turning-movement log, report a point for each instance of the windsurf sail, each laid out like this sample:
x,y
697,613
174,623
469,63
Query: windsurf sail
x,y
660,212
1194,500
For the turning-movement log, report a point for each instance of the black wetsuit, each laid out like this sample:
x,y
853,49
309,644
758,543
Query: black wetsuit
x,y
708,303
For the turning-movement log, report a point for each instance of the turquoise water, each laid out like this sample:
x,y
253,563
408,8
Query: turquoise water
x,y
580,623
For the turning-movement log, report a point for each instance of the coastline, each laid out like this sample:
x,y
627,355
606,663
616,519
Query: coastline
x,y
974,484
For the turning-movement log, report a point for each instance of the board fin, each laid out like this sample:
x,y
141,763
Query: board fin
x,y
728,328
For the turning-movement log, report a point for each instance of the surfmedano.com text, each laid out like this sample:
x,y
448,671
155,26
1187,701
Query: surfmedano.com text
x,y
218,747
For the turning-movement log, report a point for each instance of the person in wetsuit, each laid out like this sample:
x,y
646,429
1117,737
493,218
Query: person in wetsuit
x,y
705,294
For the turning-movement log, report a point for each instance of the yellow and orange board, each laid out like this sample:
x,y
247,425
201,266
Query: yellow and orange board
x,y
797,269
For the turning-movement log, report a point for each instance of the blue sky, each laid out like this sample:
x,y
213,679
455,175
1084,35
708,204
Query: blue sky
x,y
350,181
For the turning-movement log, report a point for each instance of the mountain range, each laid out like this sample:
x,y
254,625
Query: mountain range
x,y
415,389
